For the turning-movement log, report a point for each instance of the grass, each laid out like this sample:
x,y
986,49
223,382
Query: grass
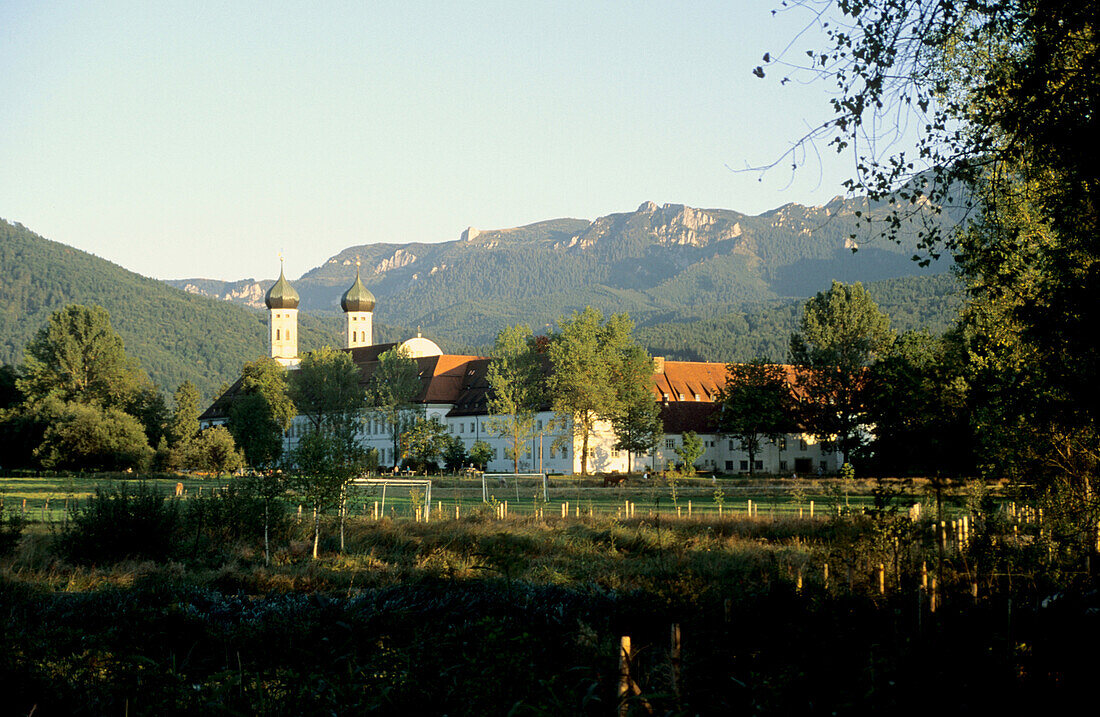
x,y
521,615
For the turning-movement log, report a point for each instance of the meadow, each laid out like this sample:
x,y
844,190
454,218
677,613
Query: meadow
x,y
853,610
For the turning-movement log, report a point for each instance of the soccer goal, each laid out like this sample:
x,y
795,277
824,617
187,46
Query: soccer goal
x,y
521,485
424,484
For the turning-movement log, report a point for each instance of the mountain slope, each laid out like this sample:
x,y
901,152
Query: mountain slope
x,y
175,336
657,263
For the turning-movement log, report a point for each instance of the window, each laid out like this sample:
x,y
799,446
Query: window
x,y
473,427
759,465
729,465
353,336
277,335
462,428
540,426
732,448
823,466
744,465
670,443
564,452
782,465
802,445
782,443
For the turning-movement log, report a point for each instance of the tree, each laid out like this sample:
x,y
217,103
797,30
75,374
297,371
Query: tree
x,y
1006,95
917,399
638,427
590,361
689,450
184,423
515,382
392,390
325,462
842,332
755,405
77,356
261,412
212,450
424,443
88,437
326,390
481,453
454,453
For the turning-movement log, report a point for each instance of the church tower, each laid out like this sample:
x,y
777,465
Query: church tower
x,y
358,305
282,306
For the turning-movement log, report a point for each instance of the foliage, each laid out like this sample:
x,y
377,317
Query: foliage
x,y
212,450
261,412
917,400
184,424
589,360
423,444
240,512
87,437
754,405
326,390
324,462
515,377
131,521
689,450
1007,96
842,332
454,453
77,356
481,453
391,392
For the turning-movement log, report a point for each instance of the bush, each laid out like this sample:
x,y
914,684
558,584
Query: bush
x,y
235,514
129,521
11,530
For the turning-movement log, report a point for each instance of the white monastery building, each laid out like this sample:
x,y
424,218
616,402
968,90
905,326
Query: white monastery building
x,y
454,389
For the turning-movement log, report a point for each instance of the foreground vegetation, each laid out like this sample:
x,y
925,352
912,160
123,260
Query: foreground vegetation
x,y
484,615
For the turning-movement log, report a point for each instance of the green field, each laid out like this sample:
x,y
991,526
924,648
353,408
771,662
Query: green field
x,y
47,499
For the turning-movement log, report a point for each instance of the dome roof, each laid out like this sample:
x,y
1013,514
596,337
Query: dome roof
x,y
358,297
281,295
420,347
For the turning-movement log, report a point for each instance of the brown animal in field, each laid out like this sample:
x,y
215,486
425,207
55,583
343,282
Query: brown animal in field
x,y
609,481
179,489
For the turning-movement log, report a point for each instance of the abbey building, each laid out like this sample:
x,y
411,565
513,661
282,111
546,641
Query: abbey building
x,y
454,389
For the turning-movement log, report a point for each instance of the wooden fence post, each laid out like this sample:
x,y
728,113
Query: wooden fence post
x,y
624,674
675,658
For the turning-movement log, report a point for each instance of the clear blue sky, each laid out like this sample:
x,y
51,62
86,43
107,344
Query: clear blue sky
x,y
200,139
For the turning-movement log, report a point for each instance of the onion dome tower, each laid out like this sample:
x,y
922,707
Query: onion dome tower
x,y
282,307
358,305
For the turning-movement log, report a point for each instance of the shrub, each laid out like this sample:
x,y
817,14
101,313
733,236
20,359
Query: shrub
x,y
234,514
11,530
128,521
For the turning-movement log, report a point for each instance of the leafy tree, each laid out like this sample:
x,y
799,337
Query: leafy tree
x,y
424,442
638,427
212,450
326,390
1007,94
755,405
515,397
392,390
261,412
917,400
10,395
77,356
689,450
184,424
88,437
588,360
842,332
325,462
454,453
481,453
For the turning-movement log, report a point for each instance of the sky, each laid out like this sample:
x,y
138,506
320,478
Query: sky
x,y
201,139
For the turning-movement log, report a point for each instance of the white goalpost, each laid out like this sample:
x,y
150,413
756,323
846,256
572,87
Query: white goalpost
x,y
424,483
511,480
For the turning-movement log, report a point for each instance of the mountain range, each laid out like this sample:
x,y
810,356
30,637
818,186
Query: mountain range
x,y
662,264
701,284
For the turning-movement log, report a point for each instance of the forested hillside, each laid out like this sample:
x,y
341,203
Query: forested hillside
x,y
176,336
912,303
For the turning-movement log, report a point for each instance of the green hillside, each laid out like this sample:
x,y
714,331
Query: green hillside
x,y
175,336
